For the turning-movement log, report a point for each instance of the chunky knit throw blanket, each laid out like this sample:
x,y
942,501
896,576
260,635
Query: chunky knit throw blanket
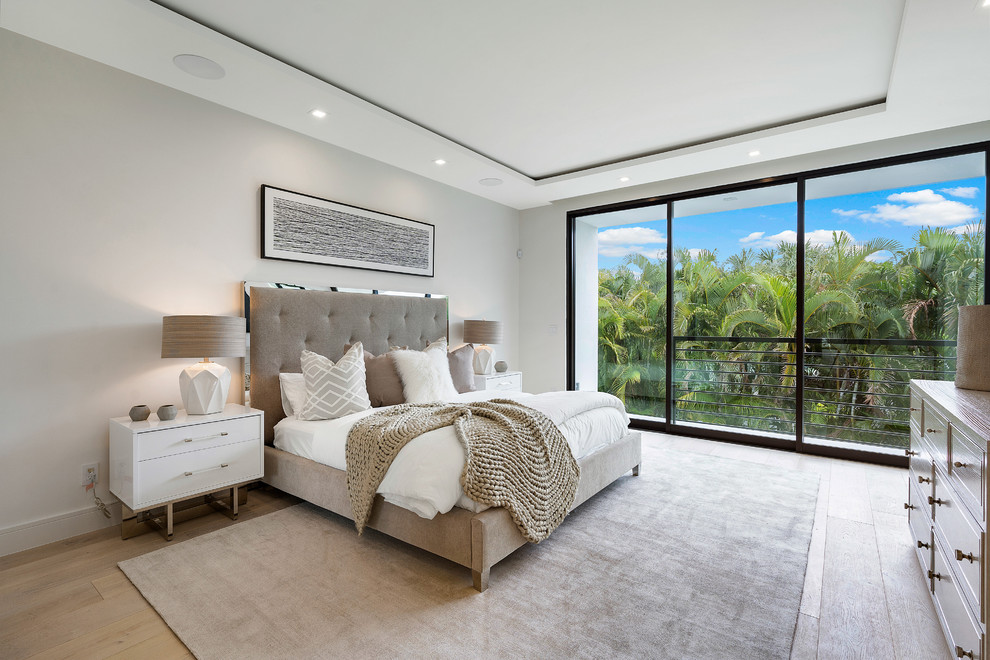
x,y
516,458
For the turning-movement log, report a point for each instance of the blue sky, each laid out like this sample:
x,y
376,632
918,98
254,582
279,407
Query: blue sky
x,y
897,213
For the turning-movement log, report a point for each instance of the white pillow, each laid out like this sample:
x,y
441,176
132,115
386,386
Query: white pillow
x,y
334,390
293,388
425,374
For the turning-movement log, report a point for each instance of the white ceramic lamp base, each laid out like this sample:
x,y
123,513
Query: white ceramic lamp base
x,y
203,388
484,359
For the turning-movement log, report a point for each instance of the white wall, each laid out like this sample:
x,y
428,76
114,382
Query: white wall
x,y
122,201
543,233
586,306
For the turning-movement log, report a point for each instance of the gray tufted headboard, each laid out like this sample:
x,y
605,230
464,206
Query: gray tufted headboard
x,y
285,321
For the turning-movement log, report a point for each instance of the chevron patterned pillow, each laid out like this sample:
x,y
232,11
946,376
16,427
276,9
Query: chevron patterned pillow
x,y
334,390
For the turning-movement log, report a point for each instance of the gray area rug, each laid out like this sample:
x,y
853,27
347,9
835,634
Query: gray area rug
x,y
699,557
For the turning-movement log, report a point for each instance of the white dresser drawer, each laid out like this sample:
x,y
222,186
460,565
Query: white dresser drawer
x,y
195,437
190,473
961,541
964,635
968,468
936,432
917,410
921,526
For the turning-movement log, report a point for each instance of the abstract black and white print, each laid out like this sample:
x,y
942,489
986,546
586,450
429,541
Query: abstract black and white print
x,y
302,228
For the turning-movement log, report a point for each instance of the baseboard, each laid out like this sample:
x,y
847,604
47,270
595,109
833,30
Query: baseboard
x,y
55,528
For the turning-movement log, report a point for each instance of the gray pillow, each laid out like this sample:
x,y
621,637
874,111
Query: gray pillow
x,y
461,362
384,386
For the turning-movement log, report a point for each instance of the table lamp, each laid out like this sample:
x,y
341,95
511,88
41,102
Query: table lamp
x,y
204,385
482,333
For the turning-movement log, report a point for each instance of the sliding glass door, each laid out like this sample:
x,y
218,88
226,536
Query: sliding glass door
x,y
799,308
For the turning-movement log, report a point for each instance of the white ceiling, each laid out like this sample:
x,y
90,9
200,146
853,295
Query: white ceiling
x,y
556,98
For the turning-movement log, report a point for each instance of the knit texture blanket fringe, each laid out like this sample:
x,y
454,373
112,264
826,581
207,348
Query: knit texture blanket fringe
x,y
516,458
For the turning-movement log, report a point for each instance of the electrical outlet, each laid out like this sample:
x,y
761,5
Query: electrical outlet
x,y
90,474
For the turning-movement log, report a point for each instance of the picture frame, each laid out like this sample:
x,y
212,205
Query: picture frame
x,y
309,229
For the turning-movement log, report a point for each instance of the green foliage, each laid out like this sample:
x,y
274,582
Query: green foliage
x,y
855,388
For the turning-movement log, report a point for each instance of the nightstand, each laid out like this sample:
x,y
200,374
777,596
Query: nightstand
x,y
155,464
507,381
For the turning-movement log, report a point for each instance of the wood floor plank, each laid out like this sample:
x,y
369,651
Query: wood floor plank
x,y
811,597
849,497
854,622
163,646
110,639
805,646
888,489
916,630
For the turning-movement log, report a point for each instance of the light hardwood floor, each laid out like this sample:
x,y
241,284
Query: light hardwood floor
x,y
864,596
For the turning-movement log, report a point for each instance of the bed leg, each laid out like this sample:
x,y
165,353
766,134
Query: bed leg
x,y
481,579
635,470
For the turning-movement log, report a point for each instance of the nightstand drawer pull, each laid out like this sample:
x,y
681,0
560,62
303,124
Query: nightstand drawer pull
x,y
206,437
209,469
960,653
960,556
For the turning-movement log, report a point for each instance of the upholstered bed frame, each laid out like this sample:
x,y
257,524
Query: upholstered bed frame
x,y
285,321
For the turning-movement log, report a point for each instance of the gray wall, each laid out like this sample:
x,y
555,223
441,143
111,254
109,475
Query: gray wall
x,y
122,201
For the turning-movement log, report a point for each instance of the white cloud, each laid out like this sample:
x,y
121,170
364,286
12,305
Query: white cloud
x,y
847,214
969,192
694,252
625,250
630,236
926,196
930,214
878,257
967,229
816,238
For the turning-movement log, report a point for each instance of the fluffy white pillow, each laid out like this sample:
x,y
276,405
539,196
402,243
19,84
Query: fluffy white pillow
x,y
293,388
425,374
334,390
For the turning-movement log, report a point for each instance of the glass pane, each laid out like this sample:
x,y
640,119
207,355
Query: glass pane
x,y
620,306
734,311
892,253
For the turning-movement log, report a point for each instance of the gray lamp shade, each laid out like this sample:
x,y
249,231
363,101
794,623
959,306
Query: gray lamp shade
x,y
483,332
973,348
203,336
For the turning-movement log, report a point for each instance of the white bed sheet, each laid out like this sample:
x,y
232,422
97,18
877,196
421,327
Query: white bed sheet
x,y
425,475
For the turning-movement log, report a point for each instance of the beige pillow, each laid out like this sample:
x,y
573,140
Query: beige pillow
x,y
461,361
384,386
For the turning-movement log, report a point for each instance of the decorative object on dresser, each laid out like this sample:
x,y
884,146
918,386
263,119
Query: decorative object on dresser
x,y
973,348
507,381
203,386
139,413
482,333
167,412
501,366
155,465
298,227
947,507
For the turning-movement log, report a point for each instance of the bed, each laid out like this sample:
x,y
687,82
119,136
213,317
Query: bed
x,y
283,322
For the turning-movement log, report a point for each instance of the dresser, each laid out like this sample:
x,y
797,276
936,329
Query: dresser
x,y
947,507
156,464
507,381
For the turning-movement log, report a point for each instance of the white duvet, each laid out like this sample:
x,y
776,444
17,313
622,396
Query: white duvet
x,y
425,475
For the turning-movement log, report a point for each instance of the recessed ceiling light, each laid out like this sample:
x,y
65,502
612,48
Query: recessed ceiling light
x,y
200,67
319,114
754,153
491,181
439,161
623,179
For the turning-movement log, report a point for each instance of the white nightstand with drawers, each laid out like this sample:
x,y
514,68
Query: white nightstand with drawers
x,y
155,464
507,381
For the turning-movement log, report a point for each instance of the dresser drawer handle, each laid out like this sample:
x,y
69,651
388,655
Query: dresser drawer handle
x,y
922,544
915,409
960,556
909,506
960,653
937,501
932,575
924,480
960,464
206,437
908,452
932,431
210,469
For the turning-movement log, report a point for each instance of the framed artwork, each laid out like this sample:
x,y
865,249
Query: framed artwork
x,y
298,227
